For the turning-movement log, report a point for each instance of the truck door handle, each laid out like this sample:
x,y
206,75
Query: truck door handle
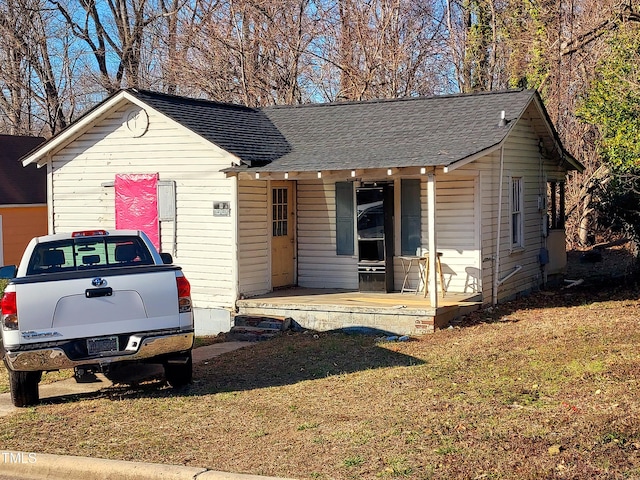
x,y
98,292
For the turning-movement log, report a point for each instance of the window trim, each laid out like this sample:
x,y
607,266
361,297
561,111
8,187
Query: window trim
x,y
516,213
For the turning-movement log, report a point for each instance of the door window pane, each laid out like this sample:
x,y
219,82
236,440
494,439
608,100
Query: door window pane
x,y
279,212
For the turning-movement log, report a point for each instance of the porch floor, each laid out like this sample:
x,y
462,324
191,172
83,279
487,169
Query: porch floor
x,y
328,309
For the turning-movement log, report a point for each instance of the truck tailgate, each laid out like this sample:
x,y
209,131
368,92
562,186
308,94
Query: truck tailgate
x,y
110,304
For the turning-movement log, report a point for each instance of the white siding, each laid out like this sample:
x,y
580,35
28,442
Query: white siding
x,y
457,231
205,246
521,159
253,238
318,264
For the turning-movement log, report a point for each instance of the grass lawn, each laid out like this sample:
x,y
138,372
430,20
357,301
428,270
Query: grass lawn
x,y
544,387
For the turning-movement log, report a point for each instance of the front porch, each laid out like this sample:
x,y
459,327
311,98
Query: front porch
x,y
329,309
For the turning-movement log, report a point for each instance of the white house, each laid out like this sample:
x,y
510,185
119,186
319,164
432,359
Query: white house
x,y
329,198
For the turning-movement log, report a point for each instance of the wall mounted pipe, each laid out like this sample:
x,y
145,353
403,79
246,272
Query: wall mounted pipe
x,y
516,270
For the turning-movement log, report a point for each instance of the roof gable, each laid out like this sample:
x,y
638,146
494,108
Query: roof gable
x,y
244,132
21,185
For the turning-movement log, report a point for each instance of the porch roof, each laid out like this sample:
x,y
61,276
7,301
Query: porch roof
x,y
397,133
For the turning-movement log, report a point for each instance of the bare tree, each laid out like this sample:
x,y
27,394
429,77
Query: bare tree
x,y
385,48
249,51
39,69
114,32
14,94
476,43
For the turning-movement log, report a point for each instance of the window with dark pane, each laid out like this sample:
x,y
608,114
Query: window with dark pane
x,y
411,213
555,204
344,219
517,222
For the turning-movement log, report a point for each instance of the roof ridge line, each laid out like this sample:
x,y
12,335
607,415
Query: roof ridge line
x,y
399,99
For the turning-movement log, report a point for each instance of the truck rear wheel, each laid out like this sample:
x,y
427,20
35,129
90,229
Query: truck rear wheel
x,y
178,372
24,388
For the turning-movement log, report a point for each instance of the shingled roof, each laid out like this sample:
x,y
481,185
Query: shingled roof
x,y
409,132
245,132
20,185
412,132
441,131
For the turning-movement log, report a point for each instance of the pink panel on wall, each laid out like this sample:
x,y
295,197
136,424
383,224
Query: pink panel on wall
x,y
137,204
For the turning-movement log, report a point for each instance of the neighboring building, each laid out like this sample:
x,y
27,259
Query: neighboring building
x,y
253,200
23,198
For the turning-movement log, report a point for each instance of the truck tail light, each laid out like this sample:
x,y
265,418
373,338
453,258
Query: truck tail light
x,y
89,233
184,295
9,311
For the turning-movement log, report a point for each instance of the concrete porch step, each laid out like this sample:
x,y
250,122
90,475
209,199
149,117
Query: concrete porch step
x,y
260,321
254,328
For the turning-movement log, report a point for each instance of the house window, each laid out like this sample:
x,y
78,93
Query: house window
x,y
555,205
517,204
280,206
344,219
410,213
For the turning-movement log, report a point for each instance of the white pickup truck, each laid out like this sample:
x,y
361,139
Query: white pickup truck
x,y
93,300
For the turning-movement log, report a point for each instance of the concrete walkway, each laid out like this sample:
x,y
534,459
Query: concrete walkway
x,y
28,465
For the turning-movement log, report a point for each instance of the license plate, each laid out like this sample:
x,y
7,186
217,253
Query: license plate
x,y
102,345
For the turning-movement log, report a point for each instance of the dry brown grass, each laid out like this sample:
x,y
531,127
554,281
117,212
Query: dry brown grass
x,y
545,387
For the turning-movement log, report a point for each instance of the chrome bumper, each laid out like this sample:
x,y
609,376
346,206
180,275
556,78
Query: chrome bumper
x,y
54,358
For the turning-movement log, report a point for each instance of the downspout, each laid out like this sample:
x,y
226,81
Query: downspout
x,y
496,259
542,207
236,249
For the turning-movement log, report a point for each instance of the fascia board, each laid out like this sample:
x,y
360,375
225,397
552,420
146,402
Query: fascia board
x,y
472,158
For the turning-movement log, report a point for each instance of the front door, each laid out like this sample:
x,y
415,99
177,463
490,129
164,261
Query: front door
x,y
282,234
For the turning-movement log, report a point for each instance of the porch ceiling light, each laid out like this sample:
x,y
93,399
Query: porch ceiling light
x,y
423,170
353,173
319,174
286,175
257,175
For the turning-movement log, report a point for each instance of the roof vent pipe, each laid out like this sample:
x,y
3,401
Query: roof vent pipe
x,y
503,120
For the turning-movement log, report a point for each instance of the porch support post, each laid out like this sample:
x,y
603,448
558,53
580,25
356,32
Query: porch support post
x,y
431,222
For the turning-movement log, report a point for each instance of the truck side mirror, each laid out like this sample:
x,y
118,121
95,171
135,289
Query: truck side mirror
x,y
8,272
167,259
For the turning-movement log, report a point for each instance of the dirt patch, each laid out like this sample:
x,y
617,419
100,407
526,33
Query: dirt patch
x,y
616,262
